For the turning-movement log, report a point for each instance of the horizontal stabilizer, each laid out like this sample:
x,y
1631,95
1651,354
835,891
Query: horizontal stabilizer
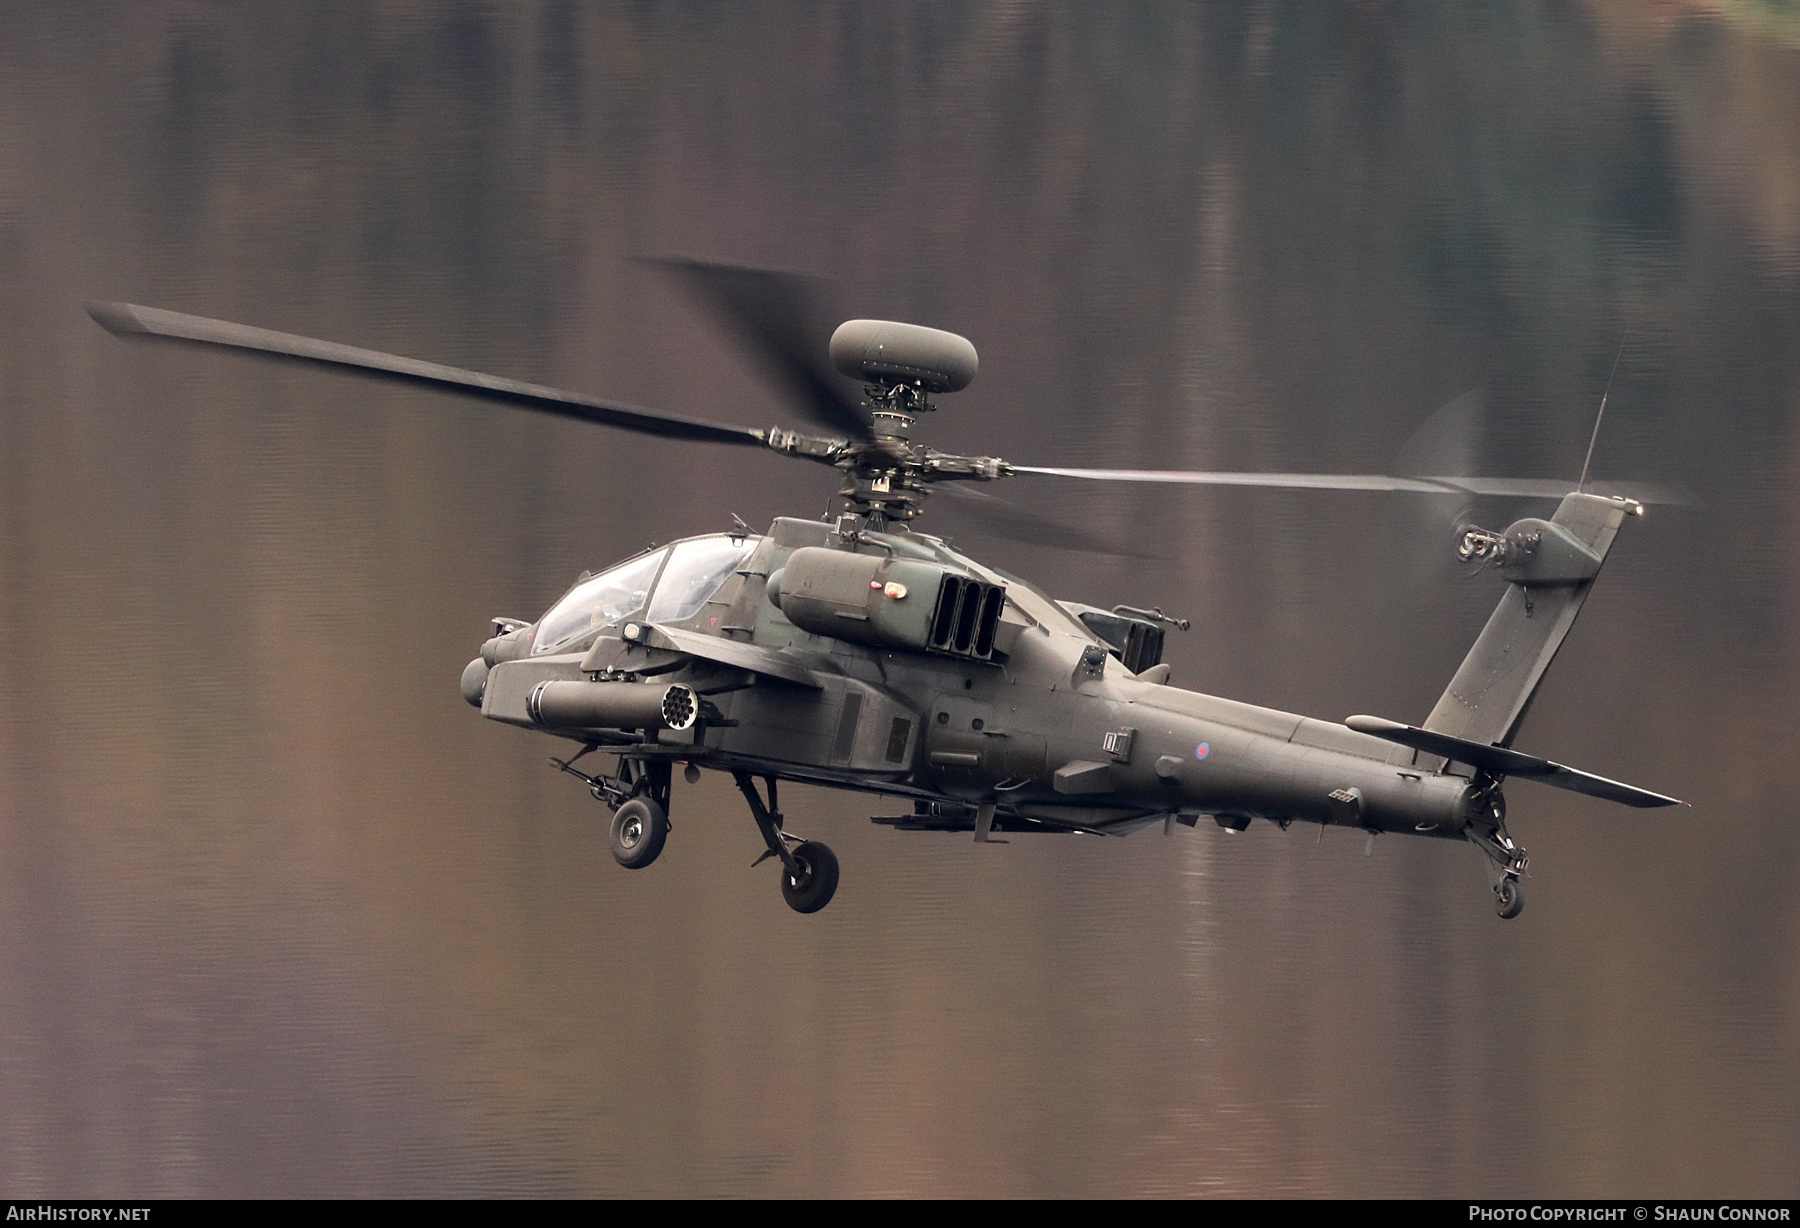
x,y
1502,762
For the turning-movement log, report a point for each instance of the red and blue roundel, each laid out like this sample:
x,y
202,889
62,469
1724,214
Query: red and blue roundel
x,y
1202,751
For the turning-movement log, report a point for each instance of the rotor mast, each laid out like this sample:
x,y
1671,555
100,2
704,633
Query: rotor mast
x,y
882,481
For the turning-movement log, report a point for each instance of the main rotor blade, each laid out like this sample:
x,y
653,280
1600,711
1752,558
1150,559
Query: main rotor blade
x,y
1536,488
1006,519
772,317
130,320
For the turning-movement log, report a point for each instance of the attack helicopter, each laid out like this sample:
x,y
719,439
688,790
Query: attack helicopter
x,y
863,653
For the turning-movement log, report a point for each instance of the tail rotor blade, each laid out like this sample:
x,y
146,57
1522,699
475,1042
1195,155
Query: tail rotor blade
x,y
1449,440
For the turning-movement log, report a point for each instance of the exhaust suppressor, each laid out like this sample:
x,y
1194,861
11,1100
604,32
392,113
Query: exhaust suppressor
x,y
612,705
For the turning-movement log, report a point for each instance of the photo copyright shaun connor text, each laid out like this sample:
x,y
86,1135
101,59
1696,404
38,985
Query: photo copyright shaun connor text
x,y
1631,1213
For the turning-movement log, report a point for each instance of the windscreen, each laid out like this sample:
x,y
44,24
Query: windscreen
x,y
574,622
696,570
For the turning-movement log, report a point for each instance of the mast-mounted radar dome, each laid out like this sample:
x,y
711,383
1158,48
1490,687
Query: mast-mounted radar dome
x,y
887,352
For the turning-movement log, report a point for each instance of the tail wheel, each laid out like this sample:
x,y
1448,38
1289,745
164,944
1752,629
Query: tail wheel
x,y
1509,898
812,888
639,828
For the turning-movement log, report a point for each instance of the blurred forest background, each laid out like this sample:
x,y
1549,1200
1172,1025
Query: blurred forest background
x,y
280,915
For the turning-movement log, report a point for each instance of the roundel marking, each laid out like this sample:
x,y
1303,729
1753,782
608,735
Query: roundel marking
x,y
1202,751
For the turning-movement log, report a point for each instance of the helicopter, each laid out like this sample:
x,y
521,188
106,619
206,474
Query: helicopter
x,y
862,653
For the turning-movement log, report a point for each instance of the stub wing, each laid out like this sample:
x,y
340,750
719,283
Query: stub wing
x,y
1503,762
772,662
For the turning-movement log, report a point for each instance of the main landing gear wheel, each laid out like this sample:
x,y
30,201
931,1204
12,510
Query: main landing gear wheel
x,y
1509,898
813,887
639,828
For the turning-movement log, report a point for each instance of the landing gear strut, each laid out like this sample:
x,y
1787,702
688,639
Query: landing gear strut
x,y
809,870
639,798
1507,864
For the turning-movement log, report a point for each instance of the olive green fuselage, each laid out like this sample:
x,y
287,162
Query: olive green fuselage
x,y
1051,730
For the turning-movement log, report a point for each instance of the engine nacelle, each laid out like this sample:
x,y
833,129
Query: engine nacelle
x,y
888,602
883,351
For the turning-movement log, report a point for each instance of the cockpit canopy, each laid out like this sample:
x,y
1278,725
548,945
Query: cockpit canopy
x,y
664,586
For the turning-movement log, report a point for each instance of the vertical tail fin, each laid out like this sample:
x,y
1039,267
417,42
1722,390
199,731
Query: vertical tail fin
x,y
1551,565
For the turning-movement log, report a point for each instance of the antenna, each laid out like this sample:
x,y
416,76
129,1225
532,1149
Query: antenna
x,y
1589,458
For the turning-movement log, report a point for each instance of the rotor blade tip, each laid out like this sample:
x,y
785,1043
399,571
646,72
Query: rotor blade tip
x,y
663,260
116,318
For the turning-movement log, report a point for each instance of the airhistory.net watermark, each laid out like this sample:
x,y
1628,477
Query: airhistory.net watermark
x,y
54,1213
